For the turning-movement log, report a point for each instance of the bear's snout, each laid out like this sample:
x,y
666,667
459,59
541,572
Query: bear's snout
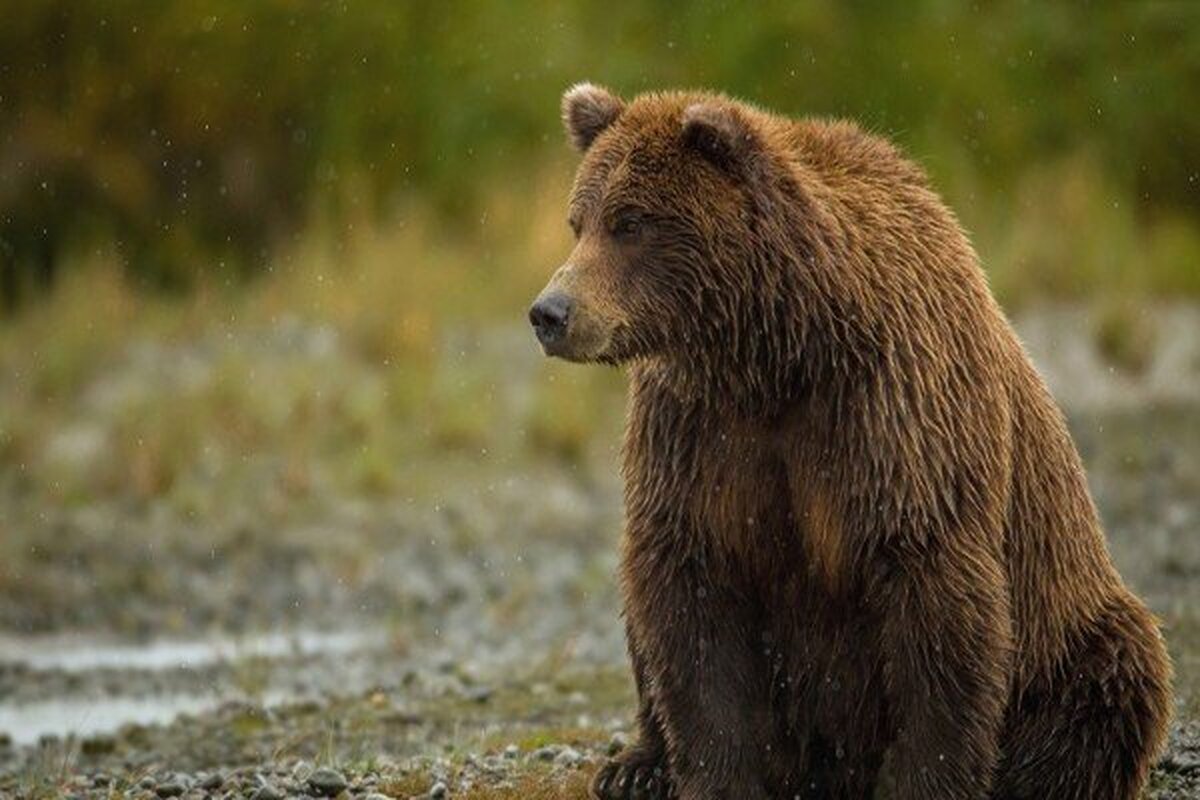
x,y
549,316
572,316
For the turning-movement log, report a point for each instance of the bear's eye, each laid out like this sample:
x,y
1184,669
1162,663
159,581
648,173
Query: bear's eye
x,y
627,226
576,227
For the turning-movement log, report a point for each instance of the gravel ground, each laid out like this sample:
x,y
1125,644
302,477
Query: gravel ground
x,y
465,644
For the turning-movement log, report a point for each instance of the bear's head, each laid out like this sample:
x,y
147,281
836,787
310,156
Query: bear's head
x,y
684,253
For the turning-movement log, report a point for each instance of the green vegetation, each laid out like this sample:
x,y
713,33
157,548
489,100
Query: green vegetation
x,y
194,142
297,383
378,190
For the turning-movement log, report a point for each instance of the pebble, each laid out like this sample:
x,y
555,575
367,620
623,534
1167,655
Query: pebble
x,y
547,753
267,792
212,782
438,791
1181,763
512,751
170,788
327,782
568,757
617,743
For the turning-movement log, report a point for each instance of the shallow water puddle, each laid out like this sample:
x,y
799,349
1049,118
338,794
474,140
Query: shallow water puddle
x,y
83,653
26,723
99,712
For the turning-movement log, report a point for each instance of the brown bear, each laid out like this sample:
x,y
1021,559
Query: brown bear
x,y
859,546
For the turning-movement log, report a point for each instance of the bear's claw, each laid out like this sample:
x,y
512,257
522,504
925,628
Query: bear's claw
x,y
633,775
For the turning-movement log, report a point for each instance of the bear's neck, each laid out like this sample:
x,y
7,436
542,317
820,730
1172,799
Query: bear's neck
x,y
754,385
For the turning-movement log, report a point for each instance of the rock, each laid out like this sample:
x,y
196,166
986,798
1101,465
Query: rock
x,y
212,782
568,757
301,770
377,796
512,751
438,791
267,792
5,741
547,753
1181,763
617,743
326,782
172,787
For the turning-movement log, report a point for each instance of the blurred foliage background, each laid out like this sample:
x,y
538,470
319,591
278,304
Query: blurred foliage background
x,y
393,174
197,138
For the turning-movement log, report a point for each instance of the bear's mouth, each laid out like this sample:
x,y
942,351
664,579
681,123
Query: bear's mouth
x,y
583,348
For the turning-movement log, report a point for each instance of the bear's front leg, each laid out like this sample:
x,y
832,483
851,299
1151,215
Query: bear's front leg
x,y
707,681
639,772
948,640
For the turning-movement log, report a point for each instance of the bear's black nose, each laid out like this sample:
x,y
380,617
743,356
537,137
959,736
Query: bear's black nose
x,y
549,317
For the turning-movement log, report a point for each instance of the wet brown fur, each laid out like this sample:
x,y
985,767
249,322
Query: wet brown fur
x,y
857,530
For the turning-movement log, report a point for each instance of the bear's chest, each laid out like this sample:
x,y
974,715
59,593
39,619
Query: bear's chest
x,y
722,482
737,484
749,492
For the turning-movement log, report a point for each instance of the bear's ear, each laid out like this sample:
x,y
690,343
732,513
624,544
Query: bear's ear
x,y
718,133
587,110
